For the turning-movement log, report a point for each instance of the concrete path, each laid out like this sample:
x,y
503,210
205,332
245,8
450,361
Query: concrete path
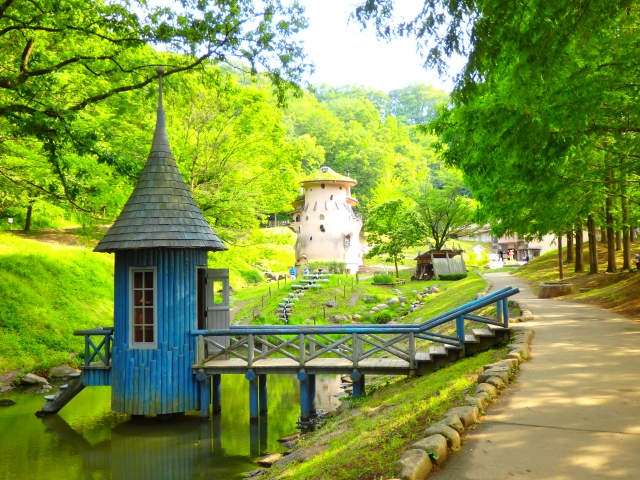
x,y
574,410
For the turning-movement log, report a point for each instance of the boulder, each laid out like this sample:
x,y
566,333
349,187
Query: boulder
x,y
381,306
452,437
331,303
32,379
393,300
550,290
435,446
514,356
375,309
368,299
402,298
254,474
468,415
452,421
503,373
63,371
522,349
269,460
486,388
510,363
5,389
479,401
496,382
6,402
303,454
414,465
356,317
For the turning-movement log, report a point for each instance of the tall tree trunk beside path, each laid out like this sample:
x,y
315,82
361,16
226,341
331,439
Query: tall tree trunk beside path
x,y
611,247
626,238
27,222
570,246
560,263
593,245
579,265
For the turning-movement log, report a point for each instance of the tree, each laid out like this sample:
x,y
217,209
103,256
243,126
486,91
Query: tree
x,y
417,104
391,229
444,211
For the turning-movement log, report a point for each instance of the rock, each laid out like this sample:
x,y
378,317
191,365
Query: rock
x,y
550,290
393,300
494,372
414,465
514,356
254,473
368,299
381,306
496,382
522,349
522,329
397,291
509,363
435,446
5,389
62,371
303,454
269,460
349,317
31,379
419,297
468,415
331,303
375,309
289,438
452,437
402,298
452,421
402,304
6,402
357,317
479,401
434,290
487,388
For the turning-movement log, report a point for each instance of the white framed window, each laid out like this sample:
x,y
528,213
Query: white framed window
x,y
143,312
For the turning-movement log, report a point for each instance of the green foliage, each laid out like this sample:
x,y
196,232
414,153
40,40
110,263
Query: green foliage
x,y
251,276
383,278
452,276
330,266
384,316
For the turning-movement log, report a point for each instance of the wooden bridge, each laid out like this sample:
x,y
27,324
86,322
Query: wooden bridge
x,y
356,349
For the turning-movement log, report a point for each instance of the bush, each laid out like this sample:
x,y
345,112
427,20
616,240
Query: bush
x,y
383,278
330,266
251,276
453,276
385,316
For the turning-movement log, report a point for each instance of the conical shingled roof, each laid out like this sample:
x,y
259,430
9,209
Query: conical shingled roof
x,y
161,211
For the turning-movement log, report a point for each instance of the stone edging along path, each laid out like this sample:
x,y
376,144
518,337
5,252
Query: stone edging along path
x,y
443,436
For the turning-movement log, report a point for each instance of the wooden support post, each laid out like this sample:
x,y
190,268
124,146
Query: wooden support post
x,y
505,312
250,350
460,333
205,398
305,407
254,440
412,351
254,410
358,383
312,345
312,396
499,309
262,393
216,397
302,350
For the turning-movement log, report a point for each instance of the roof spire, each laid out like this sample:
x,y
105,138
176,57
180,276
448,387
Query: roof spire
x,y
160,138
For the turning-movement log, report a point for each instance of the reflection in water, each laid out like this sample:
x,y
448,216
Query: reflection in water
x,y
88,441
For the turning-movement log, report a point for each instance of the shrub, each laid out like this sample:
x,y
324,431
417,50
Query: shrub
x,y
330,266
384,316
251,276
383,278
453,276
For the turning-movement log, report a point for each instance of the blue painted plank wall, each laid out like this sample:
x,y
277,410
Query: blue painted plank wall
x,y
160,380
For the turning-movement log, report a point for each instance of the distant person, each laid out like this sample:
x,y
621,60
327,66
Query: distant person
x,y
292,273
501,255
636,260
306,270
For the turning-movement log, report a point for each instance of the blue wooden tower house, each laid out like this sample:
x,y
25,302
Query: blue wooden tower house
x,y
160,241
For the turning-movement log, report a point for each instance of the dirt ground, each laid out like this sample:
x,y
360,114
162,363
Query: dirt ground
x,y
64,236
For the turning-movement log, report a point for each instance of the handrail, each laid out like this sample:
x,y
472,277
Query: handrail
x,y
91,350
360,328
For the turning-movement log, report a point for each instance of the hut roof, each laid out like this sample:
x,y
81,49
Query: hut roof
x,y
161,211
325,174
438,254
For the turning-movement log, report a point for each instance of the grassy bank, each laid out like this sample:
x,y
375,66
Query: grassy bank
x,y
365,441
617,292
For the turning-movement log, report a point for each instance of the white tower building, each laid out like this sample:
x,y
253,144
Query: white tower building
x,y
327,227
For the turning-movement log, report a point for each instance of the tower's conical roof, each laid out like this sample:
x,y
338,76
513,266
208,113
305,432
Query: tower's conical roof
x,y
161,211
326,174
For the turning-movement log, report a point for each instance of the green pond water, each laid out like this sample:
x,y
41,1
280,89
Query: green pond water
x,y
86,440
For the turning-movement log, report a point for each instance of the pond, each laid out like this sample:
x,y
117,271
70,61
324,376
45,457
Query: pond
x,y
87,440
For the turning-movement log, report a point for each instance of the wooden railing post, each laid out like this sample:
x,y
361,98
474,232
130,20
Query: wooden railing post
x,y
250,350
460,333
412,351
505,312
87,353
355,346
312,345
499,309
200,354
302,350
107,348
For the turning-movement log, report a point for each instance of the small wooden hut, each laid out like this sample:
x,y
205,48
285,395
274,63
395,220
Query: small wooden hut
x,y
434,263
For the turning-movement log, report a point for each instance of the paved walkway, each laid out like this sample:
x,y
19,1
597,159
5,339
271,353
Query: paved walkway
x,y
574,410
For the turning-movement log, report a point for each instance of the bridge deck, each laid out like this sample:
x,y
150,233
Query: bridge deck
x,y
380,366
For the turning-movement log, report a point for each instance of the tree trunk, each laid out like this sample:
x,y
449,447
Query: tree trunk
x,y
603,236
611,247
570,246
618,240
579,266
27,222
632,233
395,262
593,245
560,263
626,238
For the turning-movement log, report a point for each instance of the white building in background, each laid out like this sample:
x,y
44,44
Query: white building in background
x,y
323,218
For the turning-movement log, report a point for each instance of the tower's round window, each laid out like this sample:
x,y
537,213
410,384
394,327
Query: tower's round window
x,y
321,216
340,188
331,197
307,217
322,228
322,185
310,238
297,218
